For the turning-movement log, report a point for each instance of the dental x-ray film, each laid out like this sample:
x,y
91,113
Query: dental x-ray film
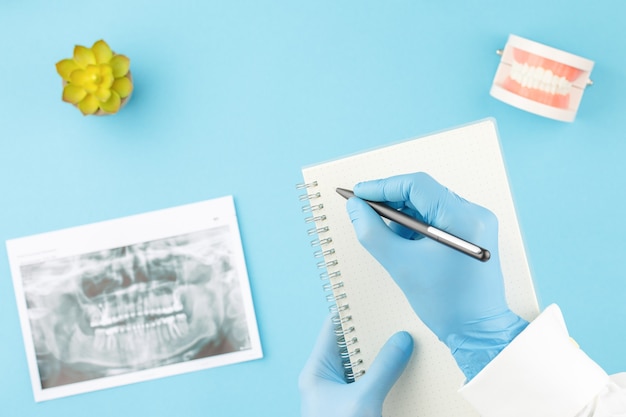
x,y
135,298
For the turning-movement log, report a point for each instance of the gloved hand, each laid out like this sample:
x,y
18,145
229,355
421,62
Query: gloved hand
x,y
324,391
459,298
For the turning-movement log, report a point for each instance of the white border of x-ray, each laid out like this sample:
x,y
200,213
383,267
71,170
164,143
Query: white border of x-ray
x,y
122,232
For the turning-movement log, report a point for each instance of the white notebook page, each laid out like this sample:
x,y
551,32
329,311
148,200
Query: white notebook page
x,y
468,161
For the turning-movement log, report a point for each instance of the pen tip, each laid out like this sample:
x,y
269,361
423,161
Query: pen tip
x,y
344,193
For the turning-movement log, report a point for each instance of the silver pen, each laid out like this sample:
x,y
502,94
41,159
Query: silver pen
x,y
429,231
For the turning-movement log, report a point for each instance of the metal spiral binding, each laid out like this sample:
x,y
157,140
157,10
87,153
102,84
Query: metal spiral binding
x,y
333,285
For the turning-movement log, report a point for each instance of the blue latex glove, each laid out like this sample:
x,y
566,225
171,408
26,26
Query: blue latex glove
x,y
324,391
459,298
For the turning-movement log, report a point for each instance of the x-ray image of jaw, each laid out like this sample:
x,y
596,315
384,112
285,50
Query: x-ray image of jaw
x,y
135,307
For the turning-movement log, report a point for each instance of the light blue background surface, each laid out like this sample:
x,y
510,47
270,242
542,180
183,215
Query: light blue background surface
x,y
234,97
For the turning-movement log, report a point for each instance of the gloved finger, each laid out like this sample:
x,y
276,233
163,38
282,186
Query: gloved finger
x,y
324,361
371,230
432,200
404,231
388,366
391,189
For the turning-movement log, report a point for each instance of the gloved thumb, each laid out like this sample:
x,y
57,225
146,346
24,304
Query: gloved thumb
x,y
388,366
371,231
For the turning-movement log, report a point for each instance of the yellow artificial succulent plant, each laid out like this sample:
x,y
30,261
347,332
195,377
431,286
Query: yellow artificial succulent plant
x,y
96,80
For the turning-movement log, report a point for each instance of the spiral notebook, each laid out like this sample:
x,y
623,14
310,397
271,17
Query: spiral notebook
x,y
368,306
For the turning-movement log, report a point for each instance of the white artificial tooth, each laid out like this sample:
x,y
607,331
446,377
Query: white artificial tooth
x,y
533,78
547,79
539,73
514,74
542,84
567,86
525,68
558,85
528,80
537,77
553,84
547,76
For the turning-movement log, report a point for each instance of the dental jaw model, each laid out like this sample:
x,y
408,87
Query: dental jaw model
x,y
541,79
